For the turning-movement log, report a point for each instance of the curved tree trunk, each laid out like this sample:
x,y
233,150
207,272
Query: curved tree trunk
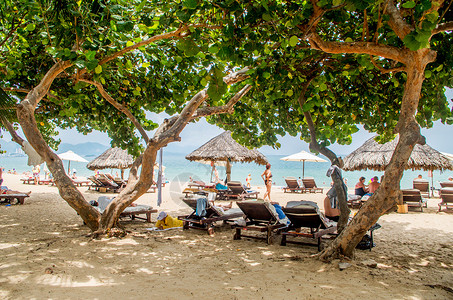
x,y
25,114
388,194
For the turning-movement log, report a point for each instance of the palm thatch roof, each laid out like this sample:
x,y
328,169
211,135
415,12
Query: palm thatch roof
x,y
374,156
224,148
112,158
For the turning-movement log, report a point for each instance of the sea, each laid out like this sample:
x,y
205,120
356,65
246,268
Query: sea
x,y
178,169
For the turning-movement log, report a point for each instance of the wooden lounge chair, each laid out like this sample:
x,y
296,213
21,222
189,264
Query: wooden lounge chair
x,y
310,185
446,194
259,216
422,185
413,198
108,184
131,211
306,214
237,191
13,198
446,184
213,214
29,180
293,186
95,184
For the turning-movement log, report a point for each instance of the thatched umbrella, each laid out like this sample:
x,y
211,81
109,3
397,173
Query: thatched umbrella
x,y
374,156
112,158
224,149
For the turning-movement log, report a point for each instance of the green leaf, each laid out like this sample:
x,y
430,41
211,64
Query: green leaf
x,y
293,41
267,17
266,75
428,73
289,93
410,4
322,87
191,4
30,27
98,69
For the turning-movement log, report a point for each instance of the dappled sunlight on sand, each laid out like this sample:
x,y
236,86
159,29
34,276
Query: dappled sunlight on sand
x,y
69,281
8,245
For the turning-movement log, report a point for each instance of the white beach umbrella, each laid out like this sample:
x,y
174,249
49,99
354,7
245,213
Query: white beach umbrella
x,y
71,156
303,156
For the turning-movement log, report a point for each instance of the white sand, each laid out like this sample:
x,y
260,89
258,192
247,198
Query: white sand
x,y
46,254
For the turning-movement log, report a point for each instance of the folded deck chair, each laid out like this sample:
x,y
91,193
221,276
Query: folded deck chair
x,y
108,184
422,185
310,185
259,216
446,194
306,214
13,198
413,198
293,186
130,211
237,191
211,215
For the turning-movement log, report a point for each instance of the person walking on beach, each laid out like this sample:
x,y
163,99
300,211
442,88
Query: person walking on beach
x,y
267,175
248,181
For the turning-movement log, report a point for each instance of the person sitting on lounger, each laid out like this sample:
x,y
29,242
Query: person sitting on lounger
x,y
373,186
165,221
360,188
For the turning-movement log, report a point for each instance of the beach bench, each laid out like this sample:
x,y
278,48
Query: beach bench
x,y
212,215
133,212
293,186
306,215
310,185
446,194
446,184
422,185
13,198
259,216
236,191
29,180
413,198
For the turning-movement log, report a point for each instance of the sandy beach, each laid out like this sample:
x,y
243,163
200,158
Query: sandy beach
x,y
47,254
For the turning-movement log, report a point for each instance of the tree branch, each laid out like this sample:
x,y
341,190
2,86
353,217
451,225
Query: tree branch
x,y
396,21
119,107
384,70
18,90
448,26
15,137
358,47
227,108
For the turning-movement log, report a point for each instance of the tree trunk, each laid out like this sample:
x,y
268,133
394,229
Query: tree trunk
x,y
389,192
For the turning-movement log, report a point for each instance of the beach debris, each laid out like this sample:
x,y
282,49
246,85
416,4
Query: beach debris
x,y
48,270
343,266
371,263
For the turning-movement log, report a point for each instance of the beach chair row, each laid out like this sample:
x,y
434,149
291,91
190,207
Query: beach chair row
x,y
235,191
308,186
304,220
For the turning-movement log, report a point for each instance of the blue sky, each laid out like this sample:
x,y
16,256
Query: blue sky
x,y
196,134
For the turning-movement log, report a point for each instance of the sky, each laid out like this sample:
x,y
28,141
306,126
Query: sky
x,y
440,137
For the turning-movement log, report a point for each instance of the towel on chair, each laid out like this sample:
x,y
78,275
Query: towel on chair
x,y
201,207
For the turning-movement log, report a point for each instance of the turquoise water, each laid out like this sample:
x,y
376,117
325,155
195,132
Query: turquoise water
x,y
177,168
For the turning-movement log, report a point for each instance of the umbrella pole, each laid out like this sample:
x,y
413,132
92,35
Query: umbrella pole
x,y
69,167
159,179
228,170
303,169
122,174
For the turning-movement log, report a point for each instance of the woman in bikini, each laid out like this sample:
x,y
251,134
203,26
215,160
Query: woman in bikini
x,y
267,175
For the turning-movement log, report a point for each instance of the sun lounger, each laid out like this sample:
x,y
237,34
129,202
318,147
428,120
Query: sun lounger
x,y
108,184
413,198
130,211
259,216
81,182
354,201
13,198
446,184
213,214
29,180
236,191
293,186
310,185
422,185
306,214
446,194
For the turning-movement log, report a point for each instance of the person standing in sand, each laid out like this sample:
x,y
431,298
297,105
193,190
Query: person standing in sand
x,y
267,177
248,181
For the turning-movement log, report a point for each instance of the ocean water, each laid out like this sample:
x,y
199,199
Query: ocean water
x,y
177,168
